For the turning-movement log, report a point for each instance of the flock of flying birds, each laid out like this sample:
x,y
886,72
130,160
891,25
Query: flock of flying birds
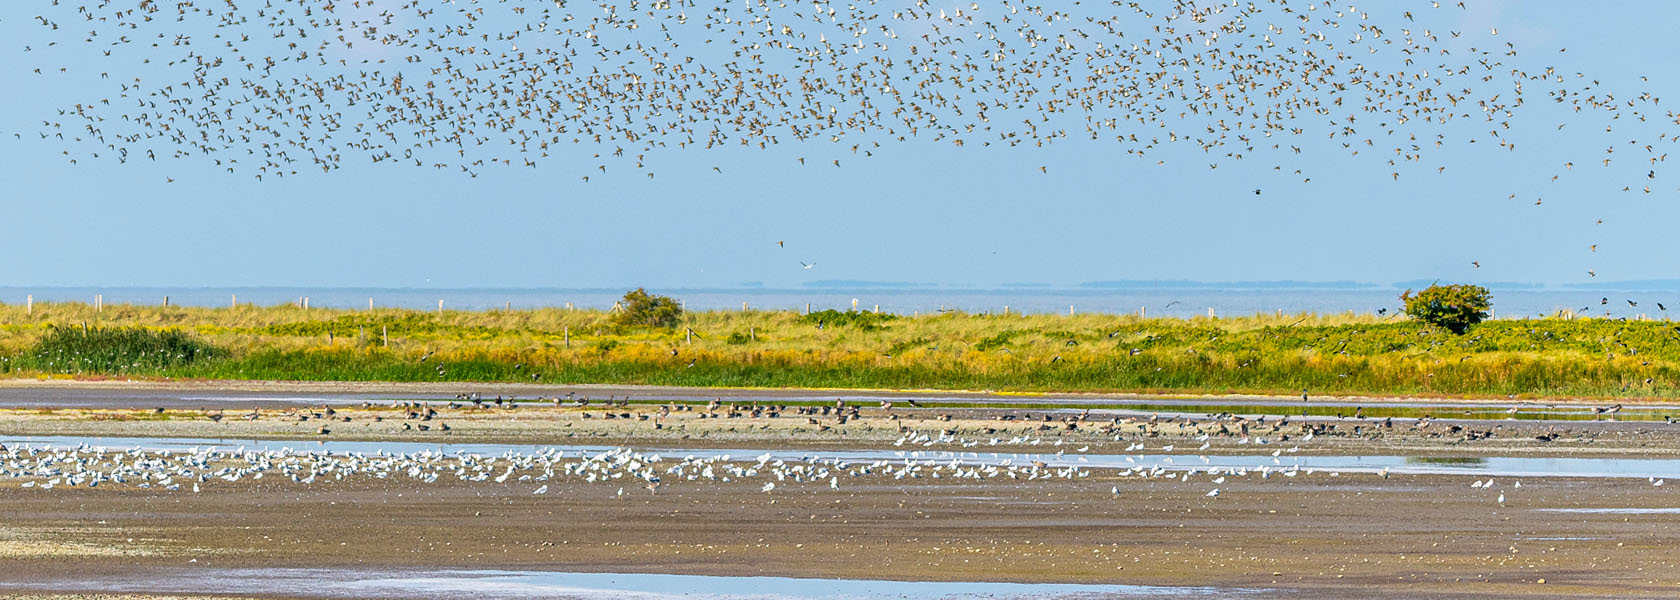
x,y
278,87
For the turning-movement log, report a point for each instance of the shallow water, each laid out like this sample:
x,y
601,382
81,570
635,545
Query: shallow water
x,y
1402,465
498,585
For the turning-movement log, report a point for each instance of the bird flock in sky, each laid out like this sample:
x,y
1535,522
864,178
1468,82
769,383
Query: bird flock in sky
x,y
275,88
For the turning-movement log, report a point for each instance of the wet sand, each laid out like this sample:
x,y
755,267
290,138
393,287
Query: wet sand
x,y
1315,535
735,426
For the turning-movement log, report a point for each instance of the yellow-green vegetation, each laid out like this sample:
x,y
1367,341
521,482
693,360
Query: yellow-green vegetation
x,y
1326,354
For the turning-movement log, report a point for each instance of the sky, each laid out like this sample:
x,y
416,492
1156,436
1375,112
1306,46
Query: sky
x,y
919,212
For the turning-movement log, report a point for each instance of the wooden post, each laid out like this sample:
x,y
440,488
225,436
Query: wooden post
x,y
440,306
166,301
234,303
1070,310
306,302
1142,311
877,309
752,333
370,304
1006,310
690,335
384,336
30,304
361,335
1210,313
99,303
508,307
854,304
568,306
807,308
568,336
743,307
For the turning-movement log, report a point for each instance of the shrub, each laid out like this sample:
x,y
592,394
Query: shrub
x,y
117,350
862,320
641,309
605,347
1451,307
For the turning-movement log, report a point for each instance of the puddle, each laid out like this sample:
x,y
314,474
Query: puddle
x,y
497,585
1399,465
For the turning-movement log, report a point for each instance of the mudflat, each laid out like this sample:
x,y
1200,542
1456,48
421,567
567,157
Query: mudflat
x,y
1256,532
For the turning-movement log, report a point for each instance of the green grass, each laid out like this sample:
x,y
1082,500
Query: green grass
x,y
1271,354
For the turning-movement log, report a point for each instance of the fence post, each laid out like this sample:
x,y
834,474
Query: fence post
x,y
1142,312
807,308
384,336
370,304
234,303
30,304
99,303
1006,310
568,336
306,302
743,307
440,306
752,333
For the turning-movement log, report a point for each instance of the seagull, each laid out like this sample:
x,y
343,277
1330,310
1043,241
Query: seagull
x,y
807,266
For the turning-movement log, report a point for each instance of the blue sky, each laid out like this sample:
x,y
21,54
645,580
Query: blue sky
x,y
917,211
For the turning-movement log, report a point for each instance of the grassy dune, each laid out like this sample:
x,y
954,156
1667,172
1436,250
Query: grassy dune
x,y
1341,354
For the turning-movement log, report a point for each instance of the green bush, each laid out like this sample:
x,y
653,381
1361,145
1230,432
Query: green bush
x,y
641,309
117,350
1451,307
862,320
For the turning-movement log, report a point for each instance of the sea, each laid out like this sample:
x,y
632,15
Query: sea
x,y
1169,300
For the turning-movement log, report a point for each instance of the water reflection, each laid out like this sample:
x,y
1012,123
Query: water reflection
x,y
500,585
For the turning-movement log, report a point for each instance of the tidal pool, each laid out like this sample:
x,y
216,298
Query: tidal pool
x,y
509,585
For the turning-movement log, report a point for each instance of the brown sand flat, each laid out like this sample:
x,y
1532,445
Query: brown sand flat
x,y
1311,535
644,425
1308,536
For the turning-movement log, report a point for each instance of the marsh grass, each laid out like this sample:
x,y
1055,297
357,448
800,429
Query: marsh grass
x,y
111,350
1274,354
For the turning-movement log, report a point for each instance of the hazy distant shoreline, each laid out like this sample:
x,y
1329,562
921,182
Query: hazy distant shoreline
x,y
1168,299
